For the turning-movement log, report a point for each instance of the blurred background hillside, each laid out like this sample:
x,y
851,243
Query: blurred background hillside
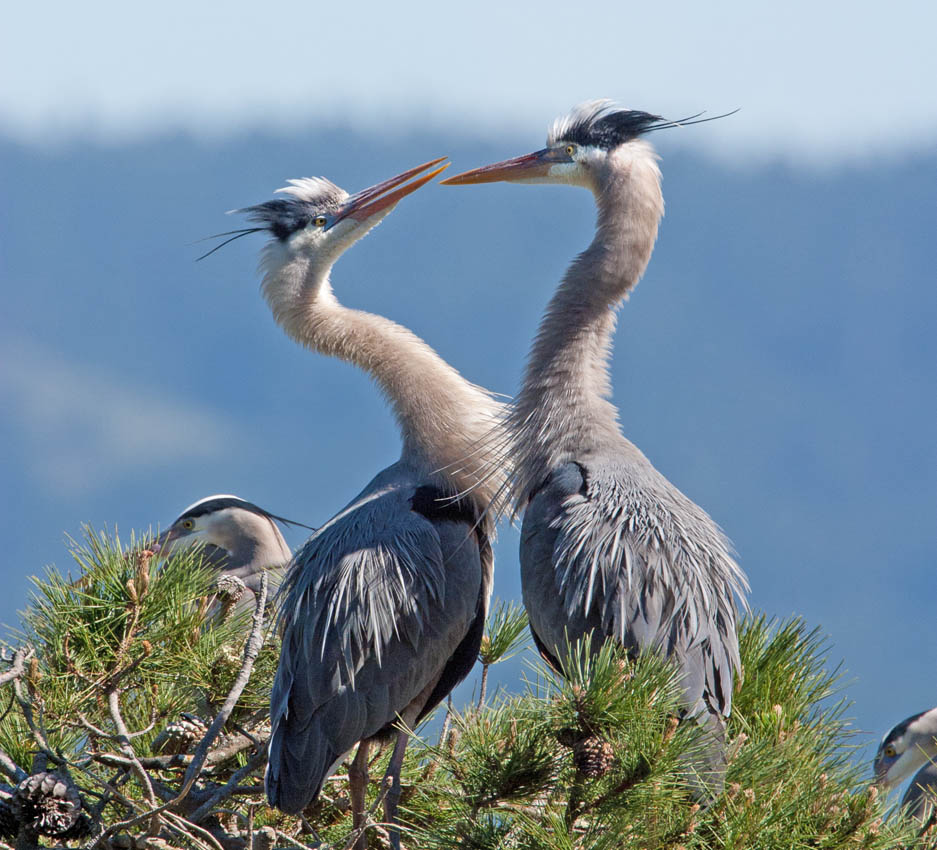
x,y
778,362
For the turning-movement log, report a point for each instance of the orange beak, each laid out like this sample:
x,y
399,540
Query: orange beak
x,y
520,168
362,205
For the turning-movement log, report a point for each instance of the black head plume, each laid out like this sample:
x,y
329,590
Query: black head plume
x,y
602,124
308,197
213,504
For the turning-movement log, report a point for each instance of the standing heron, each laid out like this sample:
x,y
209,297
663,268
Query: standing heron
x,y
384,606
238,538
908,747
609,547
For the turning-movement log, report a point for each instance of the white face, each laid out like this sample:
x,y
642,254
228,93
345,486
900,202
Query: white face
x,y
904,755
214,529
327,238
587,163
186,532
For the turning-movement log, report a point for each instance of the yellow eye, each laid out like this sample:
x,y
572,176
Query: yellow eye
x,y
890,751
570,149
188,524
319,221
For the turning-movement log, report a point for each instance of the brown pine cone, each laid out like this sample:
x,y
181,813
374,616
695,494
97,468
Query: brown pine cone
x,y
593,757
46,803
184,733
230,588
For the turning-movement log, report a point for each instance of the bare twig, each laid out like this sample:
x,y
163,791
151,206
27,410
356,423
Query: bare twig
x,y
37,730
290,840
123,739
102,839
110,790
446,723
17,668
11,768
182,760
251,651
229,788
9,707
102,734
186,826
94,730
483,688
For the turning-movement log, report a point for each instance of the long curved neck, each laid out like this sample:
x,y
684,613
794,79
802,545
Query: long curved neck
x,y
259,546
442,417
562,410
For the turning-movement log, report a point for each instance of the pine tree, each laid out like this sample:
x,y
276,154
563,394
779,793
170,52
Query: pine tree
x,y
135,716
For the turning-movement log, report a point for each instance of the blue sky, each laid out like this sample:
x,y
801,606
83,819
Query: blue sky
x,y
815,80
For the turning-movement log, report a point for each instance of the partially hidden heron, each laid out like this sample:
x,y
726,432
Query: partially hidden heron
x,y
908,747
609,547
238,538
384,606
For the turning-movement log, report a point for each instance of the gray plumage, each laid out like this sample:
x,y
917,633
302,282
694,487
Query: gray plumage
x,y
908,747
609,547
237,537
920,800
378,606
383,608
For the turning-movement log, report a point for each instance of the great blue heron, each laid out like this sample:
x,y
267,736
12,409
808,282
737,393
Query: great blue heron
x,y
384,606
237,537
908,747
610,547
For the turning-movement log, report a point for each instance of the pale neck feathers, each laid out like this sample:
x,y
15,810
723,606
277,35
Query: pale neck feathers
x,y
562,410
442,417
258,545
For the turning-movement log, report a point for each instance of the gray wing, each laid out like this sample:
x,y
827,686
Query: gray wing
x,y
637,561
921,796
373,611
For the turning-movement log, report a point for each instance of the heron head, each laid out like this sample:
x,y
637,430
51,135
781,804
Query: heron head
x,y
222,523
587,147
579,146
316,220
906,748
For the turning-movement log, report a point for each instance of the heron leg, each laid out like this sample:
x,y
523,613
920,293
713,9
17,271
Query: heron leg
x,y
358,787
392,790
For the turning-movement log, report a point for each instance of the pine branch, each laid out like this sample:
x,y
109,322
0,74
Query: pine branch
x,y
251,651
17,666
123,739
258,760
595,761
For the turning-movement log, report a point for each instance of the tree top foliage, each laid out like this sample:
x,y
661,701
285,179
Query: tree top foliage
x,y
133,714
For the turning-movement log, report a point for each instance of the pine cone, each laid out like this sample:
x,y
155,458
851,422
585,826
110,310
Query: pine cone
x,y
47,804
9,825
184,733
229,588
593,757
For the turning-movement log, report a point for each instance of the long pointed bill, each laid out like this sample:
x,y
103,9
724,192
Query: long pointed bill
x,y
362,205
528,167
163,543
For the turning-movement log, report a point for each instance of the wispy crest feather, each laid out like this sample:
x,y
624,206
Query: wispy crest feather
x,y
602,123
313,189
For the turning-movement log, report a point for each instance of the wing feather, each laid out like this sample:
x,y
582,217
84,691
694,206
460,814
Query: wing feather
x,y
372,610
637,561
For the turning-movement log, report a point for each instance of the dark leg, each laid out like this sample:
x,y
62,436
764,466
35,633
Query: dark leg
x,y
392,788
357,787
